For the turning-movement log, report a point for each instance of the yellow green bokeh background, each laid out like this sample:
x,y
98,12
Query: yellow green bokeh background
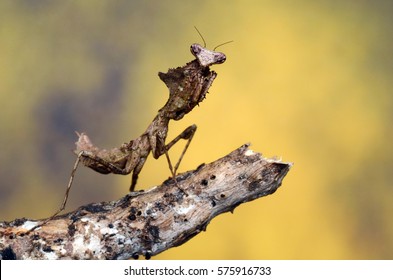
x,y
308,81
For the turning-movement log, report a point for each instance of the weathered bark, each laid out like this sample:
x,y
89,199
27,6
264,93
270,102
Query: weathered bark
x,y
147,223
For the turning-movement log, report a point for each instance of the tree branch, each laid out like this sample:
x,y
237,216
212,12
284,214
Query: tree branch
x,y
147,223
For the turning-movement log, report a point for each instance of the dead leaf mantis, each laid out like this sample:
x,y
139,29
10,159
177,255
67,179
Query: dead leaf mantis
x,y
188,86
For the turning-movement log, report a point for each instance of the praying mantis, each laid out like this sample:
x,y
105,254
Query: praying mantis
x,y
188,86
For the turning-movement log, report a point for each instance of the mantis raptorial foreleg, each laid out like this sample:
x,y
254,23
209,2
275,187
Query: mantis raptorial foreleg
x,y
187,134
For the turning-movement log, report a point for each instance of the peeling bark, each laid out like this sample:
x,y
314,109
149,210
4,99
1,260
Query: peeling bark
x,y
147,223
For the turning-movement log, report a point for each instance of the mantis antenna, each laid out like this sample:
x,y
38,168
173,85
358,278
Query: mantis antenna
x,y
204,42
222,44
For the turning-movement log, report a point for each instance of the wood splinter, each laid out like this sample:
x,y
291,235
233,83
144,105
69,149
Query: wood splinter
x,y
147,223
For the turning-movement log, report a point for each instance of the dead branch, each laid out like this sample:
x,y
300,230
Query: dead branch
x,y
147,223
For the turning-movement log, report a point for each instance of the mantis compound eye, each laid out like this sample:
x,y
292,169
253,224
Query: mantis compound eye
x,y
219,58
196,49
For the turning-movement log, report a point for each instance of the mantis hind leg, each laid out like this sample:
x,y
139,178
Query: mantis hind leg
x,y
62,207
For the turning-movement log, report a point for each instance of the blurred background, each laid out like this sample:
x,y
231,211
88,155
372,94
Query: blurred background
x,y
308,81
